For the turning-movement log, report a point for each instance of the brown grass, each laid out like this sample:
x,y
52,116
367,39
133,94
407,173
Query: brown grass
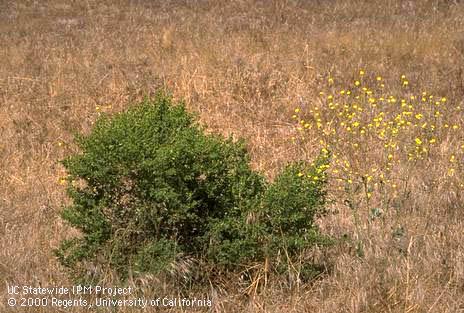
x,y
243,66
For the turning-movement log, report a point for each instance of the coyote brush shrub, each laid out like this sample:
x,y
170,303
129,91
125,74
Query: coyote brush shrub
x,y
149,187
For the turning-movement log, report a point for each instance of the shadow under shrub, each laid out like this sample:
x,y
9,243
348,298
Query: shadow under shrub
x,y
150,187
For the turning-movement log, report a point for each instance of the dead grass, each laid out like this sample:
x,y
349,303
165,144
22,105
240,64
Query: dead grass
x,y
243,66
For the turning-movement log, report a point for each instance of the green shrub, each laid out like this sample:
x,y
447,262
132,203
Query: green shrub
x,y
149,186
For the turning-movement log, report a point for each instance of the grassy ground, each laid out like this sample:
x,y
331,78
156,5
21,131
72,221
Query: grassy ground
x,y
245,66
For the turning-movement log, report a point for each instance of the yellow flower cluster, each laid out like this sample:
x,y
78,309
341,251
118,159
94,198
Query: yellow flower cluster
x,y
371,127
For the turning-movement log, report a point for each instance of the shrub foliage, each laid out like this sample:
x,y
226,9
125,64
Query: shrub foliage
x,y
149,187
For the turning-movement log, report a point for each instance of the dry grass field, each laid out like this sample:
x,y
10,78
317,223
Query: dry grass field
x,y
262,70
